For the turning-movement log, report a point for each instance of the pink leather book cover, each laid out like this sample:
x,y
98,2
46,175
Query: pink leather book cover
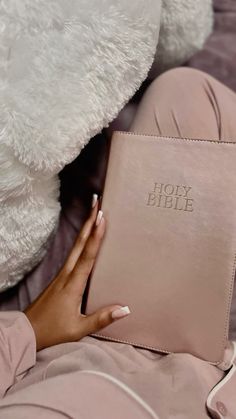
x,y
170,242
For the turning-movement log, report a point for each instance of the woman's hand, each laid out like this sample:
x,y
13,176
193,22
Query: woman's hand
x,y
56,314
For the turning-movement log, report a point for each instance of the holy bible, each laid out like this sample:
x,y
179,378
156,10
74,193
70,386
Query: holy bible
x,y
170,242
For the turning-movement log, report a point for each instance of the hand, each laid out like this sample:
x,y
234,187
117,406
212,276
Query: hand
x,y
56,314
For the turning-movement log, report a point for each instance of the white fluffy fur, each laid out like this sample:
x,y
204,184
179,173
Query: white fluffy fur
x,y
67,67
185,25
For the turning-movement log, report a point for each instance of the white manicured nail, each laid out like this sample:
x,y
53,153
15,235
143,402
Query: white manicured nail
x,y
120,312
94,201
99,217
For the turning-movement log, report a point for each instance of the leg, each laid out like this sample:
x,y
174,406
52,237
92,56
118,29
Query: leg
x,y
187,103
76,395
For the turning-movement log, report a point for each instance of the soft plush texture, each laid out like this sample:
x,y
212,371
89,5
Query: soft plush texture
x,y
185,25
66,70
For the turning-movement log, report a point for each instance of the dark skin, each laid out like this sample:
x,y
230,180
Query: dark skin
x,y
56,314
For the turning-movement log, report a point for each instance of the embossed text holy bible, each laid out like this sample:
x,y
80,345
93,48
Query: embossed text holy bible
x,y
170,242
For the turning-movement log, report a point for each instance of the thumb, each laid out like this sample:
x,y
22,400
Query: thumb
x,y
105,316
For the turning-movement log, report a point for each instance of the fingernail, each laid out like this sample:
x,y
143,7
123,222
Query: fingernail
x,y
99,217
120,312
95,199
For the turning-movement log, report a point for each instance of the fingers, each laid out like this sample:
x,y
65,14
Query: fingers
x,y
102,318
82,238
79,275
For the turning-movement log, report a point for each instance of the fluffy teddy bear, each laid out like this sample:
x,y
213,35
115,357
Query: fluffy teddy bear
x,y
67,67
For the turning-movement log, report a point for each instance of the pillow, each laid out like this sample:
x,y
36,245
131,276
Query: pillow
x,y
66,69
185,26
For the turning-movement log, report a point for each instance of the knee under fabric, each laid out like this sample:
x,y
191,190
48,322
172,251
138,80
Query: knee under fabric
x,y
62,73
